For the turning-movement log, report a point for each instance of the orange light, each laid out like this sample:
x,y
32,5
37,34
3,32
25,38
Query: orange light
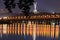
x,y
1,29
4,28
57,31
19,29
4,17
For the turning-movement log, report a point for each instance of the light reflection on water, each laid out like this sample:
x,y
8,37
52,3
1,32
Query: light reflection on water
x,y
31,32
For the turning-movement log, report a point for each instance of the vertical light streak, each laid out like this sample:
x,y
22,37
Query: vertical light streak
x,y
41,30
34,31
1,31
31,30
15,28
37,29
4,28
57,31
52,29
48,30
28,26
0,28
45,30
8,28
19,29
24,28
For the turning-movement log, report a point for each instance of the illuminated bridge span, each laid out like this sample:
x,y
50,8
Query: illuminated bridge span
x,y
47,25
33,17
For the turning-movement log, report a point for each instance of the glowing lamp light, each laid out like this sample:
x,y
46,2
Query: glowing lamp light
x,y
52,23
4,17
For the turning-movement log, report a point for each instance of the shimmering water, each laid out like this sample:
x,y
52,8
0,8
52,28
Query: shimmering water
x,y
29,31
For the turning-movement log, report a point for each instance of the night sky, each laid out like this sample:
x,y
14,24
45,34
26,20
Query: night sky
x,y
42,6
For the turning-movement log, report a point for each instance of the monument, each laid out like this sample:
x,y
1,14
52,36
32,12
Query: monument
x,y
35,8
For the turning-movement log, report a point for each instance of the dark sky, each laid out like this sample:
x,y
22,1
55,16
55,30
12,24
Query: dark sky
x,y
42,6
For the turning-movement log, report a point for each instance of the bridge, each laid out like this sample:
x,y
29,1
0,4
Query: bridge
x,y
46,24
